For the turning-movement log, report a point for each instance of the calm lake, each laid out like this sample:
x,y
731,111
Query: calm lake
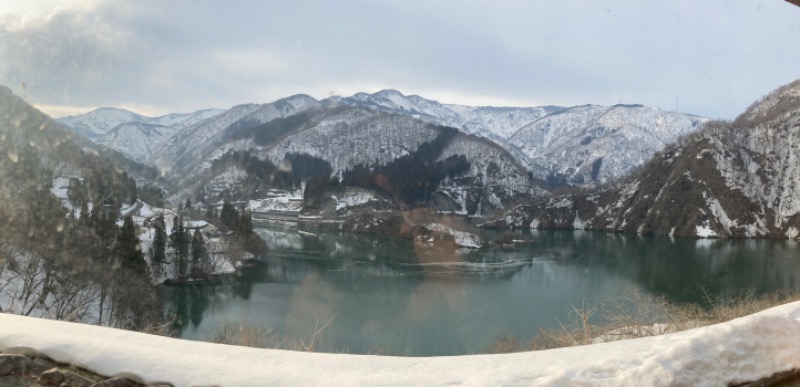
x,y
385,295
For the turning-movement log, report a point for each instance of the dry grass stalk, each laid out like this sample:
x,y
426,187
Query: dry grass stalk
x,y
262,336
637,314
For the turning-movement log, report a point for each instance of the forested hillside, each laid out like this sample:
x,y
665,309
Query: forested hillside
x,y
59,260
732,179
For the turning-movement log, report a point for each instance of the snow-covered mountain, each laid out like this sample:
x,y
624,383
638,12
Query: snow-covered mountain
x,y
138,141
349,138
592,143
506,146
137,137
732,179
101,121
578,145
496,123
188,149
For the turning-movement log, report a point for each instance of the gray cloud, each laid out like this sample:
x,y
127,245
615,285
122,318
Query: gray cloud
x,y
714,56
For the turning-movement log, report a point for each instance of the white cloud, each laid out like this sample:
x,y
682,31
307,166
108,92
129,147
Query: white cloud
x,y
65,57
23,10
56,111
180,58
253,62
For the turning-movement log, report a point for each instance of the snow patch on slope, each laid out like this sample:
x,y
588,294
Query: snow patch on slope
x,y
704,231
462,238
353,198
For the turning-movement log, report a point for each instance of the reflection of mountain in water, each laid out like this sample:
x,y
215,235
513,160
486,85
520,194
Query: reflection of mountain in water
x,y
406,299
474,271
278,239
682,269
342,257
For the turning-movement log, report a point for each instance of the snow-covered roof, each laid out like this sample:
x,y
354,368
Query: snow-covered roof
x,y
744,349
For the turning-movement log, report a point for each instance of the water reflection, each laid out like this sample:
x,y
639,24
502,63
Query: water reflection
x,y
393,296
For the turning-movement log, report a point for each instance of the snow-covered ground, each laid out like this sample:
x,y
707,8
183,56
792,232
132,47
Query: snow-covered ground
x,y
282,204
462,238
353,198
745,349
142,215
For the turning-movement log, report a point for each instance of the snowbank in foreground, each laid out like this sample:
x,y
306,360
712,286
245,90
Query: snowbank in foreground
x,y
744,349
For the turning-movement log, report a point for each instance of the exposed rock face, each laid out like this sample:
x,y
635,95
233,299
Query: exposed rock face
x,y
12,364
733,179
60,377
29,370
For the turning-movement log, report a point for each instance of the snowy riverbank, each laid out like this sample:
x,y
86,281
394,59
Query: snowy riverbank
x,y
745,349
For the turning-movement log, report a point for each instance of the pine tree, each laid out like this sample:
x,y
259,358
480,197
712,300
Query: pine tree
x,y
199,255
246,223
229,216
180,242
188,204
104,222
131,283
85,217
128,250
159,245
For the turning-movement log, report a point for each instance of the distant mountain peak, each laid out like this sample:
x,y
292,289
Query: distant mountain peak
x,y
389,92
578,136
296,97
628,105
106,109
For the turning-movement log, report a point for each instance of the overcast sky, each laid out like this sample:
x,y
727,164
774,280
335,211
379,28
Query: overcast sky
x,y
709,57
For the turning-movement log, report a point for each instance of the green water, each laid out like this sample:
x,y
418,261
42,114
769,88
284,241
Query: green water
x,y
385,295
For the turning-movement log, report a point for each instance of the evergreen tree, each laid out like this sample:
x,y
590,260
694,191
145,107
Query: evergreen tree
x,y
175,226
104,221
246,223
229,216
86,218
180,243
199,255
131,285
128,249
188,204
76,192
159,245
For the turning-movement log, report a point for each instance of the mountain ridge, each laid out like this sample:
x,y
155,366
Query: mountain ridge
x,y
526,149
503,125
732,179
